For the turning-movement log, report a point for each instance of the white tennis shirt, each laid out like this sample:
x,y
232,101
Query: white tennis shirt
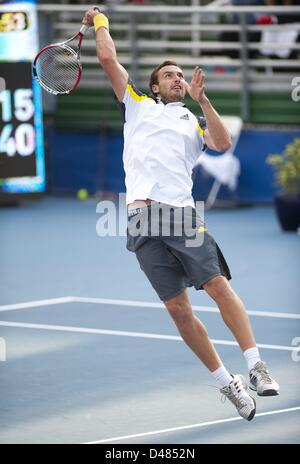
x,y
161,145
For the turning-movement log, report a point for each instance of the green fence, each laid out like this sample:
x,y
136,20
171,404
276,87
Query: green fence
x,y
97,110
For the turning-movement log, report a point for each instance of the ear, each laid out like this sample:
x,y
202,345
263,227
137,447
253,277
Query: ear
x,y
155,89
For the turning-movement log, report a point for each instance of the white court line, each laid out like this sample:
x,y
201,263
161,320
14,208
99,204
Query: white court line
x,y
132,303
62,328
193,426
209,309
34,304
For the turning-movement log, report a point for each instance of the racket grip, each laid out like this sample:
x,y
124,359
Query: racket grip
x,y
84,29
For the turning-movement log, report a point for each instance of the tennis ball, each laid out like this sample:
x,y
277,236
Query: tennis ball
x,y
82,194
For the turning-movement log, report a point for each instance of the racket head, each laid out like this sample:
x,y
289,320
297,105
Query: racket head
x,y
57,69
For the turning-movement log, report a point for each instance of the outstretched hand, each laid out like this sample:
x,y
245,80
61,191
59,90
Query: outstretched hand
x,y
197,86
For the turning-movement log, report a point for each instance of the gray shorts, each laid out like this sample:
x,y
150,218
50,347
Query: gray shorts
x,y
169,263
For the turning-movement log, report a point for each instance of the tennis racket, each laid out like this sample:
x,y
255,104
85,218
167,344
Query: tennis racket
x,y
57,67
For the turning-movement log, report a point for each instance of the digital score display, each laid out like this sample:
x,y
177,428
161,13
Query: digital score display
x,y
17,132
22,164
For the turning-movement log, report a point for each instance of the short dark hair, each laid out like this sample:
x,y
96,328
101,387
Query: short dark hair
x,y
154,74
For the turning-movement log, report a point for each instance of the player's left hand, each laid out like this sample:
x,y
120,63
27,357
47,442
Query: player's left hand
x,y
197,86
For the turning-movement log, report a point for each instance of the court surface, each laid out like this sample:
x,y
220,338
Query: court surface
x,y
89,354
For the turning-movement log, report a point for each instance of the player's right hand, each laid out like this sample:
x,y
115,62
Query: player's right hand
x,y
89,16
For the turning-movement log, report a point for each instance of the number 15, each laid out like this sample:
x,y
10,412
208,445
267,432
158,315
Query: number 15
x,y
23,104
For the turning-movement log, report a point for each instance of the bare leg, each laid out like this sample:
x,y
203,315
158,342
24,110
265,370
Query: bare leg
x,y
193,331
232,309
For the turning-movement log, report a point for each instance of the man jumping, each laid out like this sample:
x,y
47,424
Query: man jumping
x,y
162,141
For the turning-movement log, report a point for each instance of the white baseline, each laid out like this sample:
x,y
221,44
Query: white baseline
x,y
193,426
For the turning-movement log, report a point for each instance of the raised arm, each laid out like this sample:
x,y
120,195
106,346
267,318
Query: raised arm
x,y
106,52
216,136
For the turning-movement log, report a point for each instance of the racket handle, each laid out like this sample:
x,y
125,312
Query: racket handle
x,y
84,29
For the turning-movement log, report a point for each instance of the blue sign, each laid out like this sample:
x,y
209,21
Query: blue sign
x,y
22,166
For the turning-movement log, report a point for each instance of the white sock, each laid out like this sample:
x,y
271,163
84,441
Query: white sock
x,y
252,357
222,376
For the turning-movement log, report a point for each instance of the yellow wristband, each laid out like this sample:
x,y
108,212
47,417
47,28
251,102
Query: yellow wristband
x,y
100,20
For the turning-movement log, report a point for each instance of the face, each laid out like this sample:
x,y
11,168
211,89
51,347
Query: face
x,y
170,85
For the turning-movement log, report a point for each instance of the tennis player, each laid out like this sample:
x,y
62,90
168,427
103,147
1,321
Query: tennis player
x,y
162,141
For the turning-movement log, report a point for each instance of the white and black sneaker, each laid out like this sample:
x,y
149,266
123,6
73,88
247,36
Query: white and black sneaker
x,y
261,381
236,393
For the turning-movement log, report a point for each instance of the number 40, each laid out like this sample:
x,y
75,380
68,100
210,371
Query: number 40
x,y
24,140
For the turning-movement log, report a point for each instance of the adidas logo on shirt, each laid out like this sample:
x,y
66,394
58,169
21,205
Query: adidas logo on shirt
x,y
185,116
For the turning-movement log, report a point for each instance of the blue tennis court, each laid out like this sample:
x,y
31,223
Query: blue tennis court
x,y
92,356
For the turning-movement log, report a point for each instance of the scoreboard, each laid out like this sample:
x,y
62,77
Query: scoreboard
x,y
22,166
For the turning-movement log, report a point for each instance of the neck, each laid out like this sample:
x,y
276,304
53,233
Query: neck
x,y
165,100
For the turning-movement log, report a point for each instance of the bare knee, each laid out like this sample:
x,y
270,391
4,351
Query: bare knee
x,y
180,309
218,288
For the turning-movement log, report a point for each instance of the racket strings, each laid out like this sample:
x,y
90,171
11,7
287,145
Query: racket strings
x,y
58,69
